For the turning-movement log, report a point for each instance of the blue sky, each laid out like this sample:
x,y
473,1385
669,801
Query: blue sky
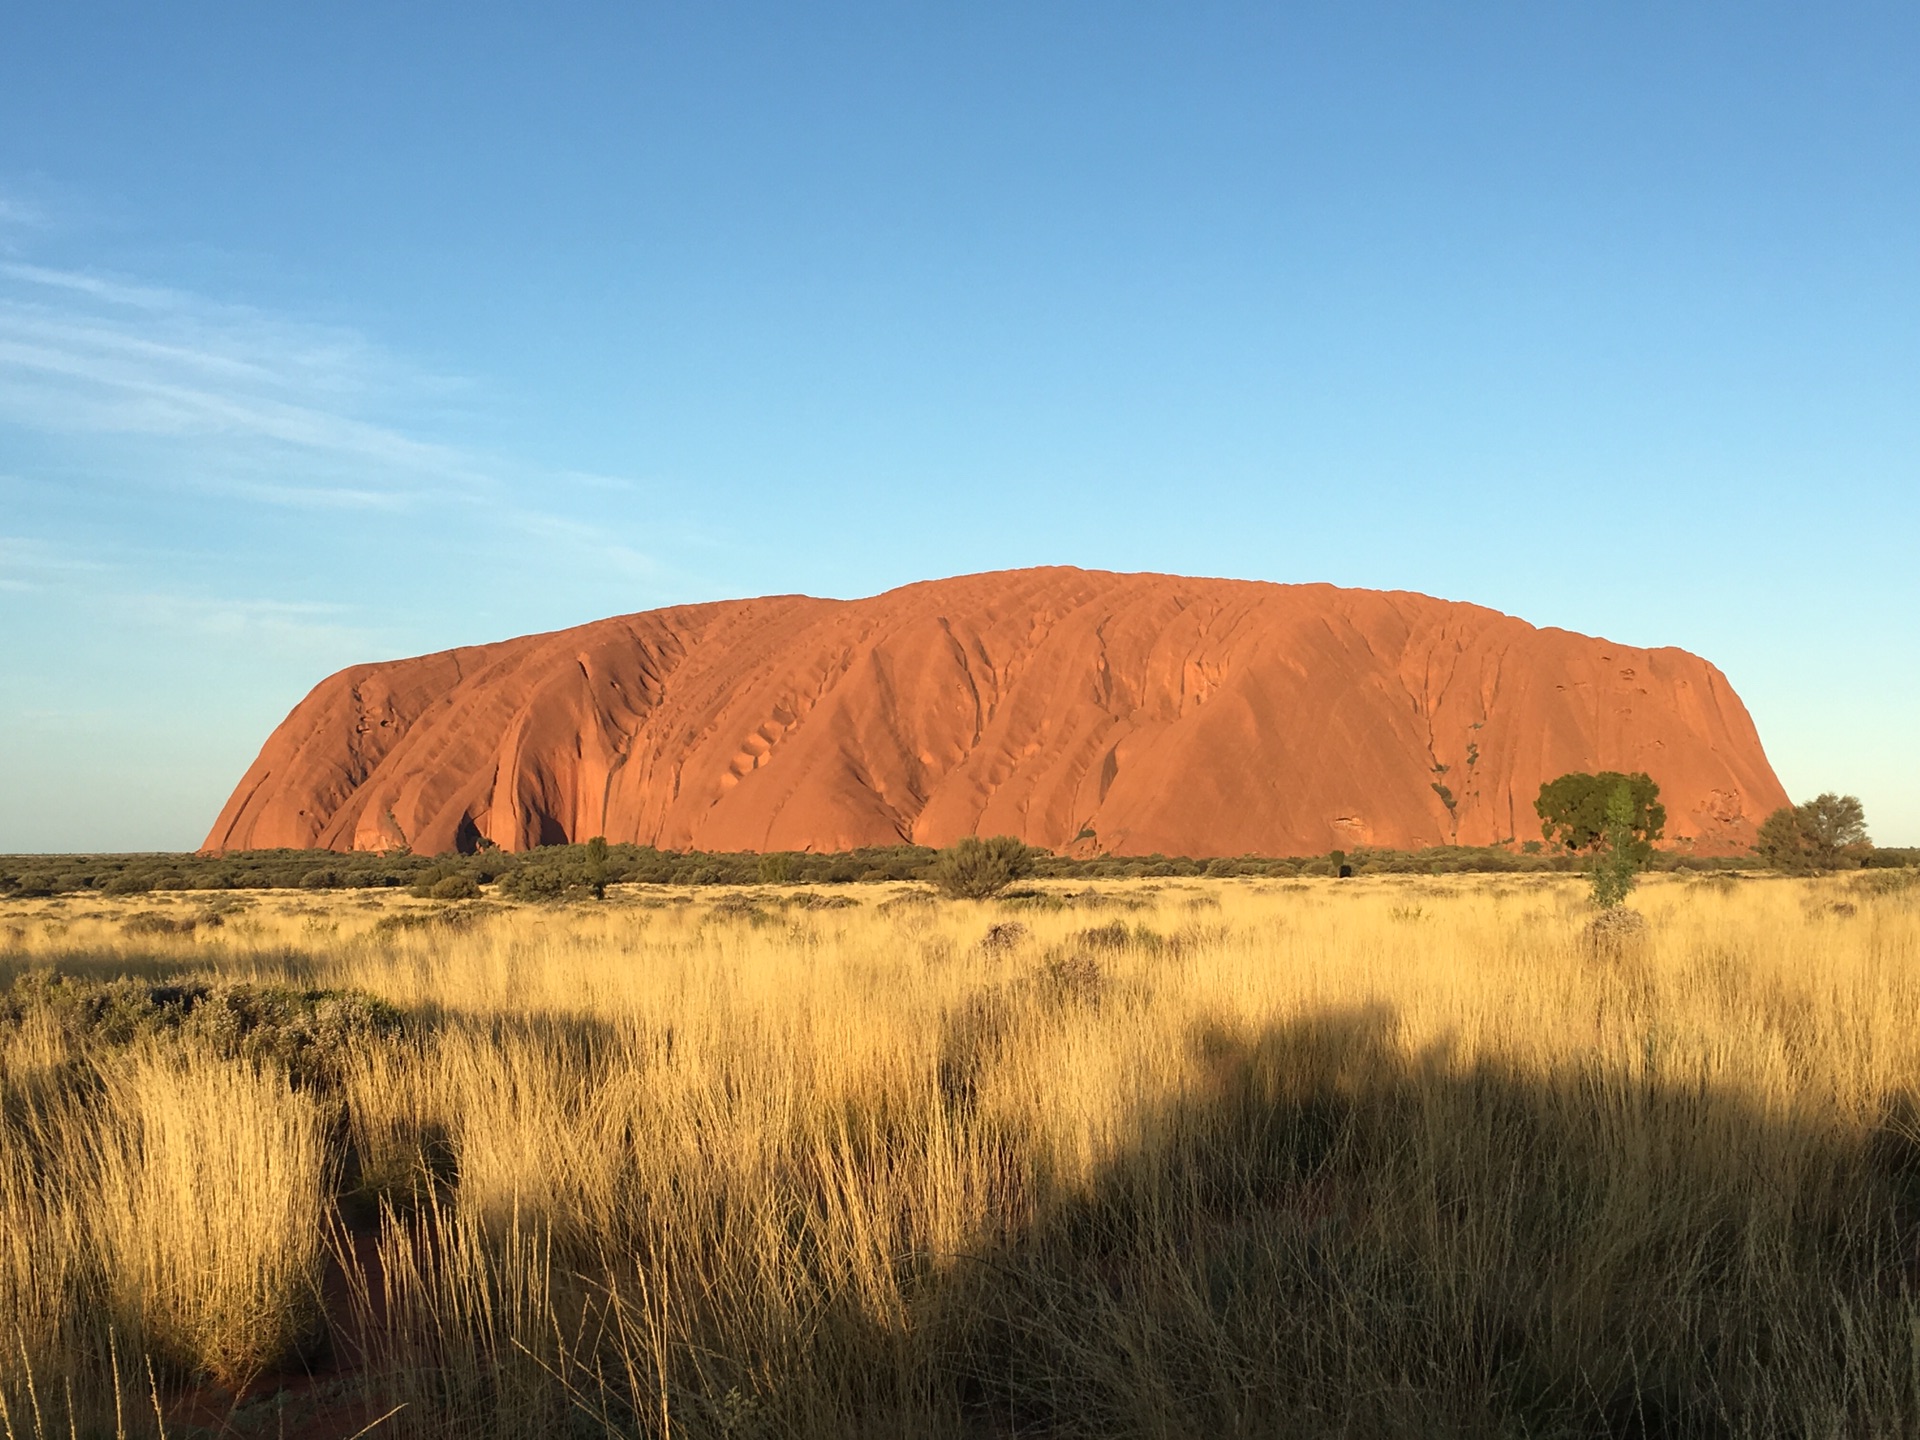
x,y
369,330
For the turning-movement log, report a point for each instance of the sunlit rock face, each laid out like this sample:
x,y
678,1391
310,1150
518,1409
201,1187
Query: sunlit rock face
x,y
1078,710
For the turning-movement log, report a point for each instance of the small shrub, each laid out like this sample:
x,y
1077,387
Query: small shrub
x,y
1035,900
1074,978
907,902
535,882
156,922
452,917
739,907
1002,937
974,869
1109,937
454,887
1887,882
809,900
1115,936
970,1042
1615,933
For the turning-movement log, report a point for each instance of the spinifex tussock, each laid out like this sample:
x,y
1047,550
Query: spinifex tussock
x,y
1615,932
212,1180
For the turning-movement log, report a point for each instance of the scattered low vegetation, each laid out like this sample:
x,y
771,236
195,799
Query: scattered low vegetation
x,y
307,1034
558,872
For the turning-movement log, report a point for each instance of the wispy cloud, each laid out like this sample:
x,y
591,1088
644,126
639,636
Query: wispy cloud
x,y
18,216
120,586
265,450
18,213
31,564
275,621
273,410
239,404
588,542
146,297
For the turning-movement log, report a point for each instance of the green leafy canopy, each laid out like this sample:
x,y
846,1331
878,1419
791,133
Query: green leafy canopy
x,y
1573,808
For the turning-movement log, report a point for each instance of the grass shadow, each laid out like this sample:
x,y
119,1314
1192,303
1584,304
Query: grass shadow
x,y
1330,1235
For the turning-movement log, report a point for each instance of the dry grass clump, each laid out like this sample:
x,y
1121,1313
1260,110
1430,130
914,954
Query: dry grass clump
x,y
1394,1157
164,1185
212,1179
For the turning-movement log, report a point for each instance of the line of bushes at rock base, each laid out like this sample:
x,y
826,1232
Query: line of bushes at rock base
x,y
553,870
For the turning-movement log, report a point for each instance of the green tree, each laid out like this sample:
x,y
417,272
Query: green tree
x,y
595,870
973,869
1783,842
1838,824
1624,851
1574,809
1828,832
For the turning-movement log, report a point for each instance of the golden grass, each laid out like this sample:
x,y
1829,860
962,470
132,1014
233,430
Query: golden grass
x,y
208,1220
1394,1156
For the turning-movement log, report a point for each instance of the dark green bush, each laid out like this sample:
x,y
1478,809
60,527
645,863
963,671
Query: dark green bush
x,y
1889,858
535,882
455,887
973,869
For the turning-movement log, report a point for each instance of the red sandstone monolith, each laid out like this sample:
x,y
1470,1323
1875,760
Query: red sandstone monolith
x,y
1126,713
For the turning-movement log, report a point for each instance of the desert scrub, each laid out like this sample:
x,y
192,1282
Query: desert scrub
x,y
308,1033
